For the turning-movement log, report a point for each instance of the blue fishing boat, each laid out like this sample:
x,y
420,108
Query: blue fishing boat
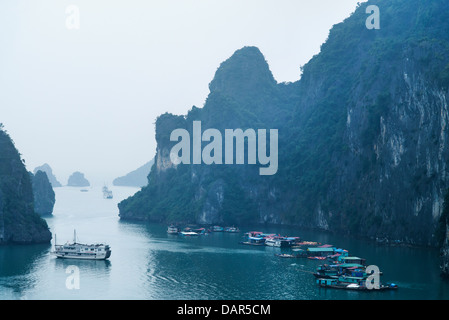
x,y
354,283
351,260
319,253
337,270
326,271
253,238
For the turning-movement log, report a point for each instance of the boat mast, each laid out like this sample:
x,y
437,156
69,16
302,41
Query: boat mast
x,y
74,235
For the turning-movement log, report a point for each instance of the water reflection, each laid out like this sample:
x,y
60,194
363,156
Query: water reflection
x,y
19,259
100,267
18,267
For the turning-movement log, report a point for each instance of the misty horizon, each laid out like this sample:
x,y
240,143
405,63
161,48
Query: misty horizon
x,y
86,100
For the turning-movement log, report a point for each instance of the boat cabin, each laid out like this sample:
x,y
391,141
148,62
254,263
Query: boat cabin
x,y
320,252
326,282
256,240
293,240
356,280
353,260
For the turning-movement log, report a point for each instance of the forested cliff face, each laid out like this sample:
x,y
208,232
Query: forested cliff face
x,y
19,223
363,135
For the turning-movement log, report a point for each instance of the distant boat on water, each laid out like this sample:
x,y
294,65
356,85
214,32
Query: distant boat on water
x,y
107,194
189,234
172,229
232,229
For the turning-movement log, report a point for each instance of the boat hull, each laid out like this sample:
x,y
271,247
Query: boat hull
x,y
189,234
252,243
335,284
359,288
82,257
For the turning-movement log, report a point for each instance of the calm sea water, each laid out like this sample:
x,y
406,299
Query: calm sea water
x,y
147,263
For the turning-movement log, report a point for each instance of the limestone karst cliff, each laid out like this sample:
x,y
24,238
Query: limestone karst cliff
x,y
363,135
19,223
49,171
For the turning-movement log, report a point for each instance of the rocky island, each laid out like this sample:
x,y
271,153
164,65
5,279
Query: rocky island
x,y
136,178
77,179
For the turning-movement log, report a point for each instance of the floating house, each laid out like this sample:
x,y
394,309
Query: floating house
x,y
320,252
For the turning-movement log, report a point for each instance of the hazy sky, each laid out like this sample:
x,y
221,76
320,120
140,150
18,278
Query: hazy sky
x,y
86,99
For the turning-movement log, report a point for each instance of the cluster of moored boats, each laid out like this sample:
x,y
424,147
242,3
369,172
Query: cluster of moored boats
x,y
343,271
194,232
340,270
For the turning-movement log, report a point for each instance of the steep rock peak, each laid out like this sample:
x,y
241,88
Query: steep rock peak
x,y
244,74
51,177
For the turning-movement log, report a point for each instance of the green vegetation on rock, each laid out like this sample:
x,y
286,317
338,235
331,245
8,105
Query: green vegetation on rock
x,y
19,223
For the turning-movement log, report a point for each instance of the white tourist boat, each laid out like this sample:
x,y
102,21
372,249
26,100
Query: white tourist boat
x,y
107,194
277,242
172,229
77,250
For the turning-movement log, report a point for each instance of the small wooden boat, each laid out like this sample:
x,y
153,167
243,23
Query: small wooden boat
x,y
316,258
189,234
172,229
286,255
307,243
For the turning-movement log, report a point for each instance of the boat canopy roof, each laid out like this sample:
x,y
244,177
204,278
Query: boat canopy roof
x,y
352,278
349,265
320,249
